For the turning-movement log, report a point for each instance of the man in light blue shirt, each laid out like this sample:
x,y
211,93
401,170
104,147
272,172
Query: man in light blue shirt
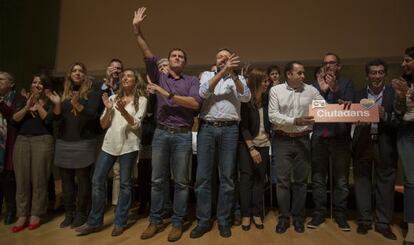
x,y
222,91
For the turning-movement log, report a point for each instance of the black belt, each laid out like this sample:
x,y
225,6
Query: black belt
x,y
173,129
221,123
293,134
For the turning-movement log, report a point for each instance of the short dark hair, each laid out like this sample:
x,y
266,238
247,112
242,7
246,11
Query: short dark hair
x,y
376,62
333,54
272,68
117,60
178,49
289,66
224,49
410,52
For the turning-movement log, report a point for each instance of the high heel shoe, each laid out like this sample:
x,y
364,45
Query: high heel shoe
x,y
34,226
18,228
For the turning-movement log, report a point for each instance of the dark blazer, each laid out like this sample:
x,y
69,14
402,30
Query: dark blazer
x,y
387,131
250,121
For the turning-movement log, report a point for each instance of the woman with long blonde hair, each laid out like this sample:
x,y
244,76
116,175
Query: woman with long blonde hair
x,y
122,118
76,143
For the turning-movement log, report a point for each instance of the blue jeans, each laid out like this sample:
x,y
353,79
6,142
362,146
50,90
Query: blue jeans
x,y
405,144
225,140
103,166
170,150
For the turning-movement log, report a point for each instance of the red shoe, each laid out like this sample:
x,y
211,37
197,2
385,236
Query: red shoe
x,y
34,226
18,228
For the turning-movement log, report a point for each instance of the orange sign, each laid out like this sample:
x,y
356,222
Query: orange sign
x,y
366,111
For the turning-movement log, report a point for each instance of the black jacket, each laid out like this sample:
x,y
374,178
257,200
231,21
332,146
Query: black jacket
x,y
250,121
387,131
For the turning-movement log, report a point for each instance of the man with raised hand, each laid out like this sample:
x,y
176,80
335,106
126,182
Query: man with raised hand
x,y
177,100
222,91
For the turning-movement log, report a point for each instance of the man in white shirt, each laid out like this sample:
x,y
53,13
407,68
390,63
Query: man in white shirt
x,y
288,112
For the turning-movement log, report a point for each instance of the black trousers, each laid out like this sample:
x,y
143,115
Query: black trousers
x,y
252,180
8,191
336,151
76,195
384,161
292,156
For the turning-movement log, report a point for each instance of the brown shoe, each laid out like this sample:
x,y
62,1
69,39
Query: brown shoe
x,y
175,234
86,230
151,230
117,230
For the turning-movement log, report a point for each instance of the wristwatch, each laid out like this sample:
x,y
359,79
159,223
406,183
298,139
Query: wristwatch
x,y
170,95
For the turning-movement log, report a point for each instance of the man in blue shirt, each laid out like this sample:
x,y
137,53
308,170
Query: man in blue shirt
x,y
222,91
331,145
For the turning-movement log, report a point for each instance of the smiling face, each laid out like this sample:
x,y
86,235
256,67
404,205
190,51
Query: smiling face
x,y
77,75
37,85
128,80
297,74
331,64
264,85
376,74
221,58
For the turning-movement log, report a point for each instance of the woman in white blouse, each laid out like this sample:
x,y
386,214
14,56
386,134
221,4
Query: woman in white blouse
x,y
122,117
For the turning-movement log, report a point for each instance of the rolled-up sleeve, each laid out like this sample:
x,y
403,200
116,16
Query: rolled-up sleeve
x,y
245,97
152,69
139,115
204,91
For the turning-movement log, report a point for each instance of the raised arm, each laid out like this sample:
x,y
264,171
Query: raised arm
x,y
139,16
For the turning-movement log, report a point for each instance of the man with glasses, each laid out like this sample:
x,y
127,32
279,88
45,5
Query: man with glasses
x,y
331,145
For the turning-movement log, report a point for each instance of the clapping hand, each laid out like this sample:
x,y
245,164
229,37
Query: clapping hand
x,y
108,103
53,96
120,106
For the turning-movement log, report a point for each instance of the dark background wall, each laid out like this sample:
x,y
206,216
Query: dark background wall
x,y
28,37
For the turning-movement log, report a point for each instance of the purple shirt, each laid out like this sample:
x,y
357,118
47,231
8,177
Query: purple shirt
x,y
168,113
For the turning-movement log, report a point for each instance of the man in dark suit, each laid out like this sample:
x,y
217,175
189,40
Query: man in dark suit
x,y
374,146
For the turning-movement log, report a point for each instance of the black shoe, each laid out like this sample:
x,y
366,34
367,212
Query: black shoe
x,y
363,228
9,219
199,231
315,222
67,221
78,221
342,224
245,227
237,220
386,232
282,226
258,226
299,226
225,231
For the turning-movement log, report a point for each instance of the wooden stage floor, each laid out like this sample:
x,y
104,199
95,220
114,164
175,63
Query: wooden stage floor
x,y
327,234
